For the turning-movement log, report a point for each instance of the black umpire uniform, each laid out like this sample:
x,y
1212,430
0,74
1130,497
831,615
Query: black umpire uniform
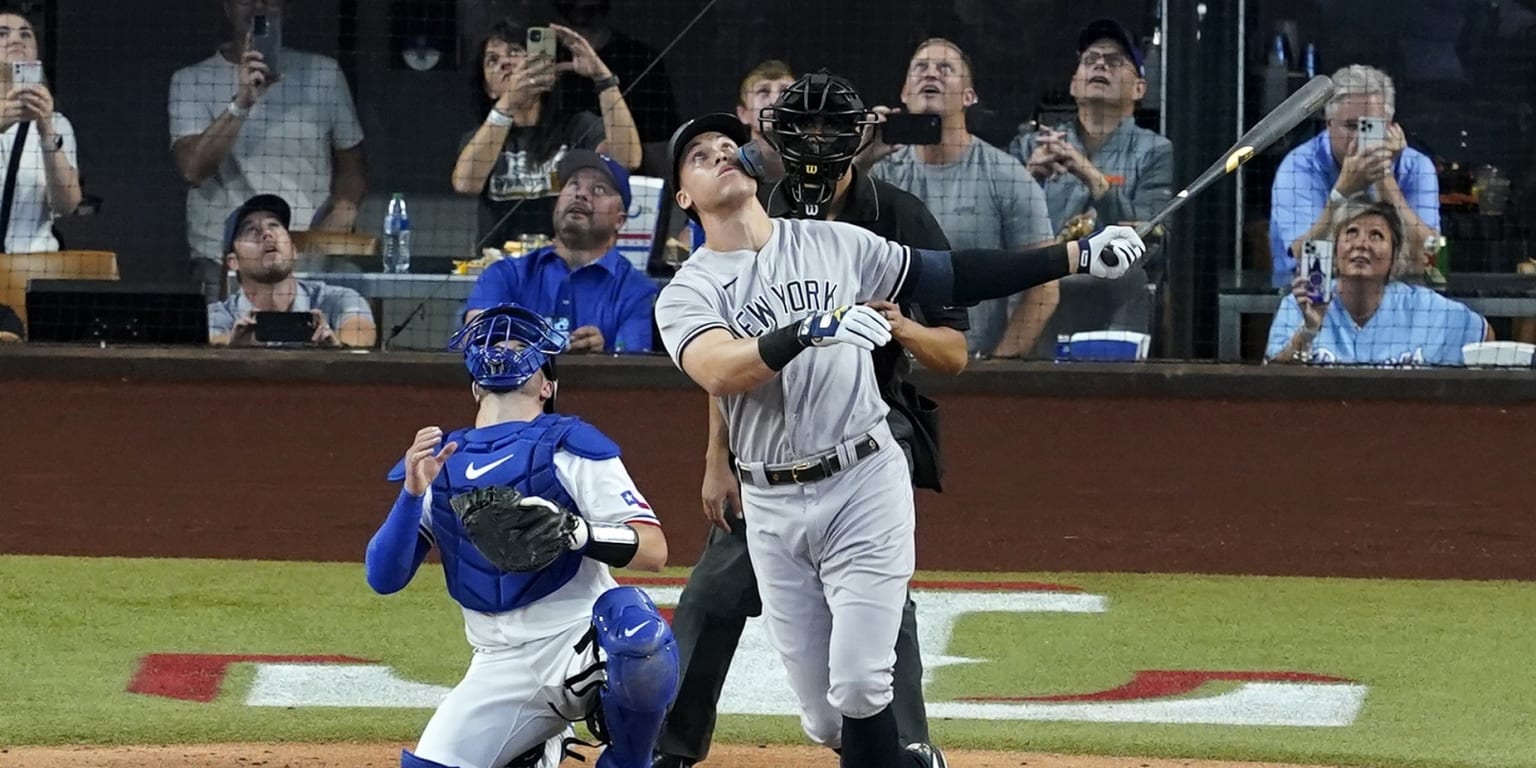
x,y
722,591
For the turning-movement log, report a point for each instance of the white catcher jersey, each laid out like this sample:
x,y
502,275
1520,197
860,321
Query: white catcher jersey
x,y
826,395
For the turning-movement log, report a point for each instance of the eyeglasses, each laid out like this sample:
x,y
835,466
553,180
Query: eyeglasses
x,y
1111,60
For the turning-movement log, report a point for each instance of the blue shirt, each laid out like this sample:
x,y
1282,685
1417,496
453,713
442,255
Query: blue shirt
x,y
1307,175
608,293
1413,326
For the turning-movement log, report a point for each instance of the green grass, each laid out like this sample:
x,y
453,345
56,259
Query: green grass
x,y
1448,663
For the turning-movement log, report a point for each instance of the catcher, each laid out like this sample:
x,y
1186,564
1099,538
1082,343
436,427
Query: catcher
x,y
529,510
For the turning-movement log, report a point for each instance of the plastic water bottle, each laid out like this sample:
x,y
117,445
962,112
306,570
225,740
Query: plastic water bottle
x,y
397,236
1063,348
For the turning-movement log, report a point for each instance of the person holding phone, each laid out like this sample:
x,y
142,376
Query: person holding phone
x,y
981,196
242,124
37,145
510,159
259,250
1320,176
641,71
1374,318
1101,165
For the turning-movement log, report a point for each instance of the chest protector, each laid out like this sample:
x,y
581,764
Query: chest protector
x,y
521,456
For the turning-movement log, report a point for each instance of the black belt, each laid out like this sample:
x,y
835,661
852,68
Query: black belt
x,y
812,469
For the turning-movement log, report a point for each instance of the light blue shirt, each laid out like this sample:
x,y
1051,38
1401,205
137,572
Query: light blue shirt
x,y
1307,175
337,302
1414,326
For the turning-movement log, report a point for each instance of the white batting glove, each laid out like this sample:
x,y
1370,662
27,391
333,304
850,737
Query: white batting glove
x,y
856,324
1123,242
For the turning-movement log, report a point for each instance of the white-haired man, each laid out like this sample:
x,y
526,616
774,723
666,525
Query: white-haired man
x,y
1318,177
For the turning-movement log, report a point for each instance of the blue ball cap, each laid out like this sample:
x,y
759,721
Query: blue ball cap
x,y
576,159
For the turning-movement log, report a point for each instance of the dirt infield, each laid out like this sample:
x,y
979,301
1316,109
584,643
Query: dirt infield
x,y
388,756
296,471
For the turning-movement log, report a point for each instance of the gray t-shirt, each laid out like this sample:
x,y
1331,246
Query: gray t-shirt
x,y
986,199
336,302
827,395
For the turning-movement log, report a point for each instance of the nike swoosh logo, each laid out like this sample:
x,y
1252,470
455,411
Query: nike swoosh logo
x,y
635,629
473,472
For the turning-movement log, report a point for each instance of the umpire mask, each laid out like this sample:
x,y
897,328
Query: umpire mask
x,y
817,126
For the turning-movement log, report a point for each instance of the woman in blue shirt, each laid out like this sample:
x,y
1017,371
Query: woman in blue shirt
x,y
1374,317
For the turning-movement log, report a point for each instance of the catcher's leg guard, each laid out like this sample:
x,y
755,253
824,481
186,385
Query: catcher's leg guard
x,y
642,675
408,760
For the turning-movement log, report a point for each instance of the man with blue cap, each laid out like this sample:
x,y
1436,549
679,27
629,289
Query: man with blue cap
x,y
581,283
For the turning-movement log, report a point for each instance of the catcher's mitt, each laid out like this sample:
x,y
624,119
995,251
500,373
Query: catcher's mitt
x,y
515,533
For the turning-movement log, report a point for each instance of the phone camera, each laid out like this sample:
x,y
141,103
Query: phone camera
x,y
536,35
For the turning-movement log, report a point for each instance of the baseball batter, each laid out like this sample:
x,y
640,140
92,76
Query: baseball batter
x,y
768,316
529,509
814,129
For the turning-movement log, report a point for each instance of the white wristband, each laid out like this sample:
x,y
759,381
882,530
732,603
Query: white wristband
x,y
497,118
237,110
1336,197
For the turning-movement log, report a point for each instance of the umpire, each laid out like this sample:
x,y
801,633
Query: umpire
x,y
816,126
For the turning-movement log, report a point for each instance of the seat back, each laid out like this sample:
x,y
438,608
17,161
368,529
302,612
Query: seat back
x,y
16,269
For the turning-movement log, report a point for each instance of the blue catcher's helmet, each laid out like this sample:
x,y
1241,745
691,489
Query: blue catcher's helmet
x,y
498,368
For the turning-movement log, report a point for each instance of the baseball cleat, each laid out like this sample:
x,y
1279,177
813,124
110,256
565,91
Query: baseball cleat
x,y
927,755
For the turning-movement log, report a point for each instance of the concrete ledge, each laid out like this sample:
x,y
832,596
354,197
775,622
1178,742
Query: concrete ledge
x,y
1017,379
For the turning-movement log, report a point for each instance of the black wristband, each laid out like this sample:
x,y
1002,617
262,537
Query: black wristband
x,y
780,346
602,84
615,545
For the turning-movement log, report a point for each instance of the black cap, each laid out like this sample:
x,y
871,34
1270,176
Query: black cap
x,y
266,203
718,122
1100,29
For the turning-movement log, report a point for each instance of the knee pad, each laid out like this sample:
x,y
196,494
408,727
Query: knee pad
x,y
642,673
408,760
641,653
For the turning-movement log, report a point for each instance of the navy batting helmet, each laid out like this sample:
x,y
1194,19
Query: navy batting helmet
x,y
817,125
498,366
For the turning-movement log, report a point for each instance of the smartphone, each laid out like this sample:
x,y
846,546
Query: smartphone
x,y
909,128
1370,132
541,42
284,326
1317,265
267,39
26,73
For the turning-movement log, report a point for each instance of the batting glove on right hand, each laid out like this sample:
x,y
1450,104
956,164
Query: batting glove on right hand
x,y
855,324
1123,242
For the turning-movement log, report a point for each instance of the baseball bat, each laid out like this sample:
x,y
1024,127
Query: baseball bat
x,y
1301,104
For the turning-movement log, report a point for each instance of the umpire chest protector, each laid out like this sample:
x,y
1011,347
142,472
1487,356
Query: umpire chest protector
x,y
518,455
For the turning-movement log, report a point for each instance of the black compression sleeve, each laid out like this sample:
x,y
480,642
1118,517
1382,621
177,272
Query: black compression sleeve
x,y
780,346
612,543
975,274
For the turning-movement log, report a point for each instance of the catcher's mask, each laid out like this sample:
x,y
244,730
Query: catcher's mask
x,y
817,125
498,367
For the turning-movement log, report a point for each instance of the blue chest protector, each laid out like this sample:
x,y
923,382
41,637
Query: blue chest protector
x,y
519,455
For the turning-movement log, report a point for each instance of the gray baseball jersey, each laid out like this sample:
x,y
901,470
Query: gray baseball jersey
x,y
825,396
